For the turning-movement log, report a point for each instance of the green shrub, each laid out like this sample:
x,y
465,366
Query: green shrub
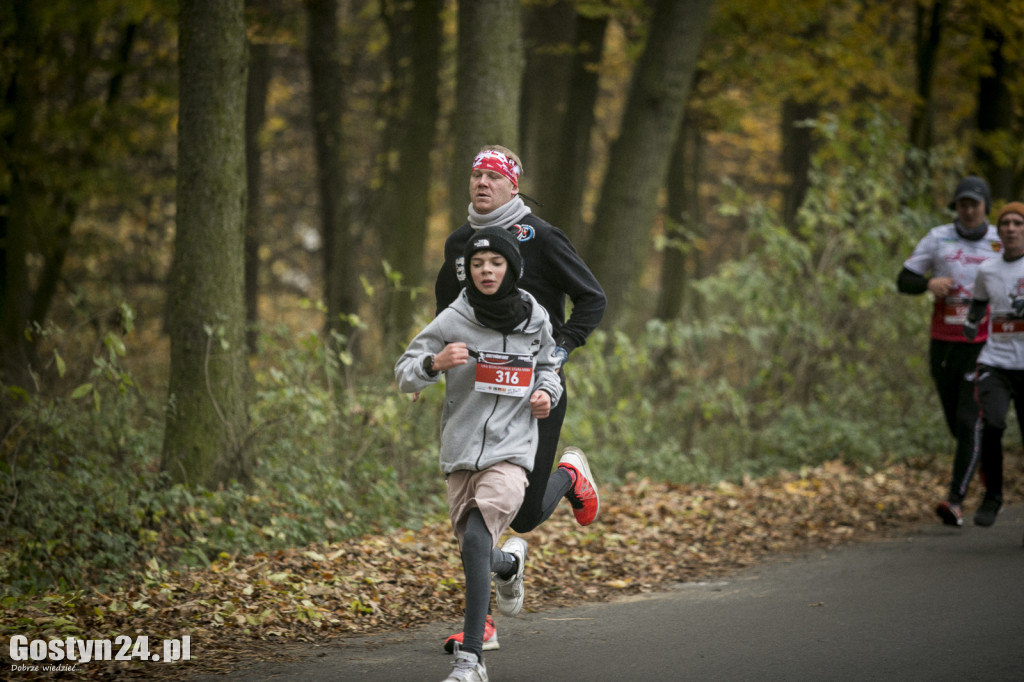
x,y
73,467
805,351
83,501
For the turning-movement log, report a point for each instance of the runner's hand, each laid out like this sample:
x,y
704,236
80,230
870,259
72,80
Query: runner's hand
x,y
453,355
941,286
540,404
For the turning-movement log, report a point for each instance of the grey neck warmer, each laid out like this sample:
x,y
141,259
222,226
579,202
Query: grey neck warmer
x,y
504,216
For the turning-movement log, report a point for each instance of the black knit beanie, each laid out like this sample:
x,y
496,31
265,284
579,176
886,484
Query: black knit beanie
x,y
505,309
499,240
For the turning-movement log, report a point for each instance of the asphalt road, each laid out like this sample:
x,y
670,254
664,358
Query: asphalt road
x,y
935,603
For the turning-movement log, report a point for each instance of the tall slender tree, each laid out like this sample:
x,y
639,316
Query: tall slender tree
x,y
928,24
563,207
548,35
489,67
798,139
206,412
59,142
798,145
684,217
17,222
327,93
415,37
995,117
640,156
260,71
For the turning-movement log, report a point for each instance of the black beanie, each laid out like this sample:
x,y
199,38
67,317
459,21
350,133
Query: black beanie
x,y
499,240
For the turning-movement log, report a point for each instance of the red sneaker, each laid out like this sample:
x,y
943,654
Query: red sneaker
x,y
583,494
490,637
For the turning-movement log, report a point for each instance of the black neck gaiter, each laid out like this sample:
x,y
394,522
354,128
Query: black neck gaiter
x,y
504,310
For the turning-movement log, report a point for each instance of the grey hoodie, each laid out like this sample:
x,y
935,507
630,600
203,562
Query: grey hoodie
x,y
480,429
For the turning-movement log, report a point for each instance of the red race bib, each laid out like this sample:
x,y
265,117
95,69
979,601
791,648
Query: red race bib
x,y
955,310
1004,325
504,373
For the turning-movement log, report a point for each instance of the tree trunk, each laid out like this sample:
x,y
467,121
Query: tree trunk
x,y
326,71
41,206
206,413
684,219
16,299
255,114
563,206
798,142
797,149
489,67
928,23
49,173
927,35
639,158
548,36
995,118
415,61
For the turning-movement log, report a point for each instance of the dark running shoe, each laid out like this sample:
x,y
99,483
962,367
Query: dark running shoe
x,y
987,512
951,514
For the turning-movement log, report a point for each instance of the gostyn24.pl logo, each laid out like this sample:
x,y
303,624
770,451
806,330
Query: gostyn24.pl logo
x,y
29,655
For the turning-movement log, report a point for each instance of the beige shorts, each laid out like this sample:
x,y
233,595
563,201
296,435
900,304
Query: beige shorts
x,y
497,492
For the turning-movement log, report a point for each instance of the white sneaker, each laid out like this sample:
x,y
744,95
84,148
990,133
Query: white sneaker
x,y
467,667
509,593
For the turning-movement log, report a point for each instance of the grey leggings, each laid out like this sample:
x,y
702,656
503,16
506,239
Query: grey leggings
x,y
479,559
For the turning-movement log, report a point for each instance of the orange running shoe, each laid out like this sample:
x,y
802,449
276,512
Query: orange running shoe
x,y
490,637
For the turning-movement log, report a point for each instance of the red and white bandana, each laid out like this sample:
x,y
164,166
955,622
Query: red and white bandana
x,y
493,160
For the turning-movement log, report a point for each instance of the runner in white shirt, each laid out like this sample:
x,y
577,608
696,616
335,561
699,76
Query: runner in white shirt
x,y
945,262
1000,375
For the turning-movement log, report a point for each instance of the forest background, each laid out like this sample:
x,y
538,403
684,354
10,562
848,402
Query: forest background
x,y
219,224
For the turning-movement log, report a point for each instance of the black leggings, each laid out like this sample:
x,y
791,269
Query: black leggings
x,y
952,366
997,389
951,362
545,490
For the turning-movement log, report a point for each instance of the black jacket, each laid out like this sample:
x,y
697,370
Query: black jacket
x,y
552,270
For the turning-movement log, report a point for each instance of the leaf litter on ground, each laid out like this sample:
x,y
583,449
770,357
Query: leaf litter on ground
x,y
649,537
